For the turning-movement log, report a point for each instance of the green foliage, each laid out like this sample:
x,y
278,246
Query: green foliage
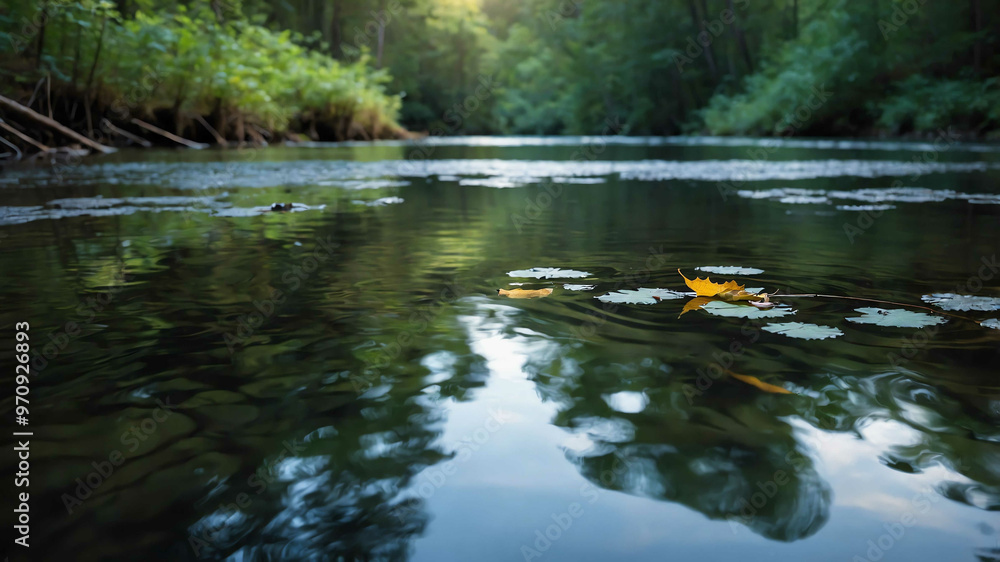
x,y
187,59
536,66
923,104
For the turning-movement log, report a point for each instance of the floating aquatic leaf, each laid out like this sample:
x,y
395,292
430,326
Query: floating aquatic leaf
x,y
569,287
729,290
640,296
803,331
730,270
733,310
992,323
896,318
524,293
379,202
950,301
549,273
754,381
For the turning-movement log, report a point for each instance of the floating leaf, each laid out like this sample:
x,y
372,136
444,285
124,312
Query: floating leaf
x,y
754,381
803,331
640,296
569,287
743,310
549,273
992,323
949,301
733,310
524,293
896,318
730,270
729,291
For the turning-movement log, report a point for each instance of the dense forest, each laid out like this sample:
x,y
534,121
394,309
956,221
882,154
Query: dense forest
x,y
245,71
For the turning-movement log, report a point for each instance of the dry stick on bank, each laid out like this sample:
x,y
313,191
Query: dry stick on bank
x,y
165,134
218,138
24,137
123,133
51,123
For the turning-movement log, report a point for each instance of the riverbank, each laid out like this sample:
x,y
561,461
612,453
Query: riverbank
x,y
86,74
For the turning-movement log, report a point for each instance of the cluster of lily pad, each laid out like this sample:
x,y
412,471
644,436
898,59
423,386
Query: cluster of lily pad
x,y
734,301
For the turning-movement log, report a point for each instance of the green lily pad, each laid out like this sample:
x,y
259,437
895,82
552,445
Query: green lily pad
x,y
731,310
896,318
640,296
730,270
549,273
992,323
803,331
950,301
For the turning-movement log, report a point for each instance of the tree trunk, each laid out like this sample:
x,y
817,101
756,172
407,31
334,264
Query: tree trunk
x,y
97,53
41,35
381,35
977,26
76,56
336,38
741,40
795,19
709,59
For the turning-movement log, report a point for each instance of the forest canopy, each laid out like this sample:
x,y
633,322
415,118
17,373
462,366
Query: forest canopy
x,y
340,69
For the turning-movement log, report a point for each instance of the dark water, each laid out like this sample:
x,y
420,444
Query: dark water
x,y
342,382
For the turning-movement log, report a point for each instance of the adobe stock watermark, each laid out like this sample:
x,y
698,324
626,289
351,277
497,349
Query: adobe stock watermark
x,y
293,278
895,530
901,14
910,346
766,491
565,9
710,31
103,469
787,126
86,313
453,118
204,534
545,537
723,361
541,202
436,476
866,219
371,30
420,319
656,260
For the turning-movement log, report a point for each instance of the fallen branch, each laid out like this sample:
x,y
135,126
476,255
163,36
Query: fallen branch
x,y
22,136
123,133
171,136
218,138
17,151
38,117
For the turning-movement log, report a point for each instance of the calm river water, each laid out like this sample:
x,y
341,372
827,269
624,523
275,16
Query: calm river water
x,y
341,381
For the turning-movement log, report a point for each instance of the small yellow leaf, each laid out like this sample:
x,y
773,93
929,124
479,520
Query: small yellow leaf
x,y
754,381
728,291
524,293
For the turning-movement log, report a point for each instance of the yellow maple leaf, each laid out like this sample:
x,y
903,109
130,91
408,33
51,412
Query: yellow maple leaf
x,y
728,291
754,381
524,293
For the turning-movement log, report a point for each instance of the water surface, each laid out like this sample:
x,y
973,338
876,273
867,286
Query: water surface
x,y
342,381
